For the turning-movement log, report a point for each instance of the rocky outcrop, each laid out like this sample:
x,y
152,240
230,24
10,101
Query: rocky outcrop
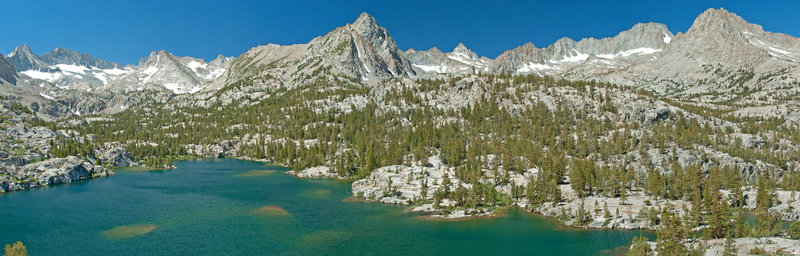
x,y
786,204
7,71
49,172
315,172
115,155
746,246
633,212
220,150
401,184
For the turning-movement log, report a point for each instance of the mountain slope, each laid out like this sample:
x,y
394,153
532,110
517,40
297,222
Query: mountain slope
x,y
162,70
361,50
642,40
7,71
720,58
460,61
66,68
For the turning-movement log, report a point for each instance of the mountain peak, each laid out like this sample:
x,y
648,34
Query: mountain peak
x,y
23,59
719,21
715,12
72,57
434,50
365,20
154,58
720,14
161,52
22,49
463,50
460,48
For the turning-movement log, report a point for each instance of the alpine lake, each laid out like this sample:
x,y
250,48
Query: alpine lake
x,y
236,207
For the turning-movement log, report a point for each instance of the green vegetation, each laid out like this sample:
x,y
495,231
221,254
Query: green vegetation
x,y
794,230
639,247
574,132
17,249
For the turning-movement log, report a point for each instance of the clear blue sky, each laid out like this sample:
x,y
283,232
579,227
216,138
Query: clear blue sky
x,y
125,31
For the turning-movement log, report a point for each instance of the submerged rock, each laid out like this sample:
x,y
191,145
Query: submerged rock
x,y
129,231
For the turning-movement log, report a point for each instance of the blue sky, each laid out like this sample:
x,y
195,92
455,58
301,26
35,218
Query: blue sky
x,y
125,31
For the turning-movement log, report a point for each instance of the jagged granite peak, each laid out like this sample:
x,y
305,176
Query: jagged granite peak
x,y
461,49
22,58
362,49
434,50
460,61
464,55
222,61
376,35
72,57
7,71
515,60
720,22
720,54
643,39
366,22
430,56
163,70
717,33
431,60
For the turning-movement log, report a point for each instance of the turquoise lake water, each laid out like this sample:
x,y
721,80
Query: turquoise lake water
x,y
212,207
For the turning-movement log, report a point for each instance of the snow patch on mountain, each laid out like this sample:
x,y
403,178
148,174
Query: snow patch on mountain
x,y
577,57
36,74
432,68
773,49
637,51
533,67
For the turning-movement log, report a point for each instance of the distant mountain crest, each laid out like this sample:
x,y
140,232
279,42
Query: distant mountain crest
x,y
72,57
22,58
719,54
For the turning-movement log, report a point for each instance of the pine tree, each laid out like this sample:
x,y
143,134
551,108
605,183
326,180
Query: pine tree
x,y
720,218
671,235
639,247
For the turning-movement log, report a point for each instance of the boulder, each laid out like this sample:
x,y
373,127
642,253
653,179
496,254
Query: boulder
x,y
117,157
315,172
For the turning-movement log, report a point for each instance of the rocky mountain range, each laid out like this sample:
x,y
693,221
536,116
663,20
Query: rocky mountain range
x,y
460,61
598,133
697,66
